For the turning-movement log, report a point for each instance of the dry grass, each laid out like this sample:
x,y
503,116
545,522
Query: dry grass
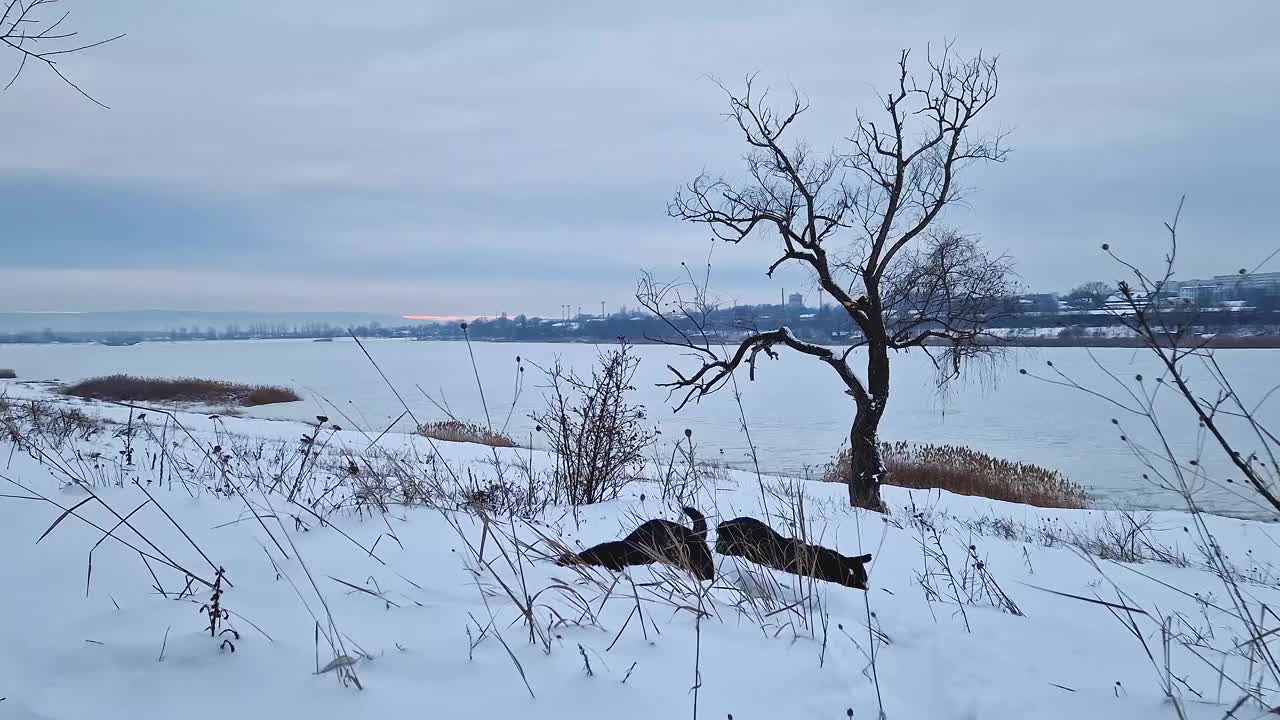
x,y
129,388
458,431
51,422
968,472
7,374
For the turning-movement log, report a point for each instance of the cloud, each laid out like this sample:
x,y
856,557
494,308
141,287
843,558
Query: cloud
x,y
440,158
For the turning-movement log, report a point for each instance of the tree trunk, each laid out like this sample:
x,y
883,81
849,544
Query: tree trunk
x,y
866,467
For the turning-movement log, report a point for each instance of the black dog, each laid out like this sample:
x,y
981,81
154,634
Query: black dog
x,y
752,539
654,541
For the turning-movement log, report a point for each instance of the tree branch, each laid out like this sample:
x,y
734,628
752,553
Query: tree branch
x,y
713,374
28,34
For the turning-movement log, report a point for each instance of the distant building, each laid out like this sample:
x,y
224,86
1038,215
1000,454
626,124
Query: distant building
x,y
1221,288
795,300
1201,294
1250,281
1119,305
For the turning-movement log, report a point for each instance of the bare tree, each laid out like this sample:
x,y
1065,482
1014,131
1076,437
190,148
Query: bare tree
x,y
1096,292
862,221
36,32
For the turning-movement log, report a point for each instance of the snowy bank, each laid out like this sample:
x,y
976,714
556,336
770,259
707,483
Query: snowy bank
x,y
433,611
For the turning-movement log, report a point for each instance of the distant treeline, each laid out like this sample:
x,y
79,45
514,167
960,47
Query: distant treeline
x,y
825,324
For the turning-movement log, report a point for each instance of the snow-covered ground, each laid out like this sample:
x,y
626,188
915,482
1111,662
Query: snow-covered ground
x,y
1053,332
423,607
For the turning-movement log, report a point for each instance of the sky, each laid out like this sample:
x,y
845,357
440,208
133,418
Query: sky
x,y
419,157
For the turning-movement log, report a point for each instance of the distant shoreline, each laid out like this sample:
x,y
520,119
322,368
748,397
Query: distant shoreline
x,y
1216,342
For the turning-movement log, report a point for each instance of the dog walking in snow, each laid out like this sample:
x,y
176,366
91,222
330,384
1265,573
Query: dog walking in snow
x,y
654,541
752,539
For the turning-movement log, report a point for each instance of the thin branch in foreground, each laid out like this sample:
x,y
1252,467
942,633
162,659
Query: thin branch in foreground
x,y
33,36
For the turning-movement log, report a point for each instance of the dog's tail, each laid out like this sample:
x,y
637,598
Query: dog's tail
x,y
864,558
699,522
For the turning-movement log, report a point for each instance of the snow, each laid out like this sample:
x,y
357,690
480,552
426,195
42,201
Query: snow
x,y
1115,331
107,645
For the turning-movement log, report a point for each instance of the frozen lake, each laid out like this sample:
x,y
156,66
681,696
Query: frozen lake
x,y
796,411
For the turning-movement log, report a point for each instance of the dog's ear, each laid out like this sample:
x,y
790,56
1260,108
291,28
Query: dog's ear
x,y
864,558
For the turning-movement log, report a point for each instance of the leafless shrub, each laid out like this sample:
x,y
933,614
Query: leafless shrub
x,y
598,437
965,471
